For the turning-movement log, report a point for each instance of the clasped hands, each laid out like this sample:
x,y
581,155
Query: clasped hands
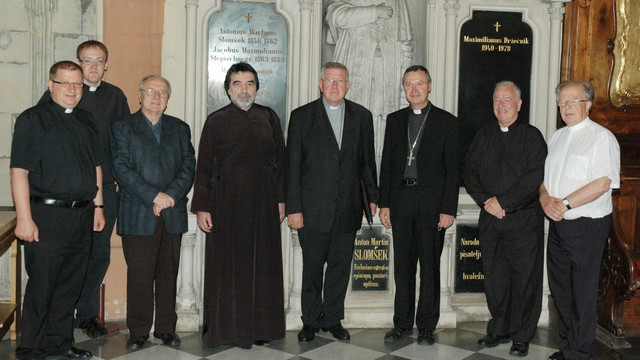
x,y
161,202
493,207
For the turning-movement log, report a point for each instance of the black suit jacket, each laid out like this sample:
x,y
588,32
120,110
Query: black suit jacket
x,y
320,176
437,162
144,167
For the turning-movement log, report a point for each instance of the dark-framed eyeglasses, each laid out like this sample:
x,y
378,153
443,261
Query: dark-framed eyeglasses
x,y
67,84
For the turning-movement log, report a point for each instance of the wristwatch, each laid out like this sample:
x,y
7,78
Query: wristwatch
x,y
566,203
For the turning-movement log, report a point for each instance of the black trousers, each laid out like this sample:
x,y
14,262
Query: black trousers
x,y
325,308
56,266
99,257
512,260
152,271
414,241
574,257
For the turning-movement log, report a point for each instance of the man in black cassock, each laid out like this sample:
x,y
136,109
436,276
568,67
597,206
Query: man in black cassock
x,y
503,172
239,199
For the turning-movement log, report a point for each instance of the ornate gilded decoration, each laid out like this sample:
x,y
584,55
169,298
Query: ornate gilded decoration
x,y
624,83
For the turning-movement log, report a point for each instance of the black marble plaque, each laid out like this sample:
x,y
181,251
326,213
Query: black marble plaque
x,y
370,260
254,33
494,46
469,275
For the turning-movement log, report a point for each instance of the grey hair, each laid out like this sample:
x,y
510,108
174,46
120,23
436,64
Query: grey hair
x,y
508,83
585,85
333,65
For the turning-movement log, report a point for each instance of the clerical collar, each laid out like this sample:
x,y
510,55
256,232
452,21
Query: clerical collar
x,y
331,107
504,128
419,111
93,88
68,111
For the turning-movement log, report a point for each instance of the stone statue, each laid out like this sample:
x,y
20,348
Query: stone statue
x,y
374,40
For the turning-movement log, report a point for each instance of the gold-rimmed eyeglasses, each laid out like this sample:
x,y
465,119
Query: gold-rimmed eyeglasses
x,y
572,103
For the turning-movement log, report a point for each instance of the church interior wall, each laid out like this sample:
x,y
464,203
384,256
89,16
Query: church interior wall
x,y
149,36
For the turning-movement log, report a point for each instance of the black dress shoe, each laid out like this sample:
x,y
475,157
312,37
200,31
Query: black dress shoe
x,y
260,342
426,337
171,339
72,353
93,328
136,342
519,349
558,355
338,332
307,333
397,333
491,340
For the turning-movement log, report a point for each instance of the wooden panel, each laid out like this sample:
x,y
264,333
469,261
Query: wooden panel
x,y
588,44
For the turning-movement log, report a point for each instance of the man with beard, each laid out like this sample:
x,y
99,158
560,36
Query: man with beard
x,y
329,155
239,199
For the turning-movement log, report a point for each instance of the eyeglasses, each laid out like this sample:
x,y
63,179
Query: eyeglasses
x,y
339,82
66,84
87,62
574,102
153,92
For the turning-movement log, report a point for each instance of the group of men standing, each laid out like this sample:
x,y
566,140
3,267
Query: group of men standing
x,y
79,160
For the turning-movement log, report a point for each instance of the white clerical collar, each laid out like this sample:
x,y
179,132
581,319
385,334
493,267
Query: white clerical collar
x,y
93,88
504,128
68,111
417,111
334,108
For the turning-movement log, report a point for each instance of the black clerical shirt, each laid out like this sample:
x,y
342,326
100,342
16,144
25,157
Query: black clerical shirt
x,y
60,150
108,104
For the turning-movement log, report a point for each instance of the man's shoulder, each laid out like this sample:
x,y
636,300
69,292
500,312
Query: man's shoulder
x,y
354,106
442,113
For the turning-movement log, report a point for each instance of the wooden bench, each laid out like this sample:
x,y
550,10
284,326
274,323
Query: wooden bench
x,y
10,310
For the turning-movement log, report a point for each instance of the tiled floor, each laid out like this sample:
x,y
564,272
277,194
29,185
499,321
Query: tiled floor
x,y
365,344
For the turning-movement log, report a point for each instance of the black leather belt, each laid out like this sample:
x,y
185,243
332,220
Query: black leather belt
x,y
409,182
60,203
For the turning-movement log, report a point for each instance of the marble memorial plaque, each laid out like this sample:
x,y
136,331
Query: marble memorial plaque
x,y
251,32
469,275
494,46
370,260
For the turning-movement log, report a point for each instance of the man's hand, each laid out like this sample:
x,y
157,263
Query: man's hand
x,y
98,220
27,230
296,221
493,207
552,207
164,201
446,220
385,217
204,221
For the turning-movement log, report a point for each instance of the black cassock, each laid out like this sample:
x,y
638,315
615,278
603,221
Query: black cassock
x,y
240,181
510,166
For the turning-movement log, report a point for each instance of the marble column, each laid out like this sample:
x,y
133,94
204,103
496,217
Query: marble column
x,y
556,12
451,8
40,24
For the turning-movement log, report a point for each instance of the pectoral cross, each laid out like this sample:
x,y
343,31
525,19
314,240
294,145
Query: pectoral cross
x,y
410,157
